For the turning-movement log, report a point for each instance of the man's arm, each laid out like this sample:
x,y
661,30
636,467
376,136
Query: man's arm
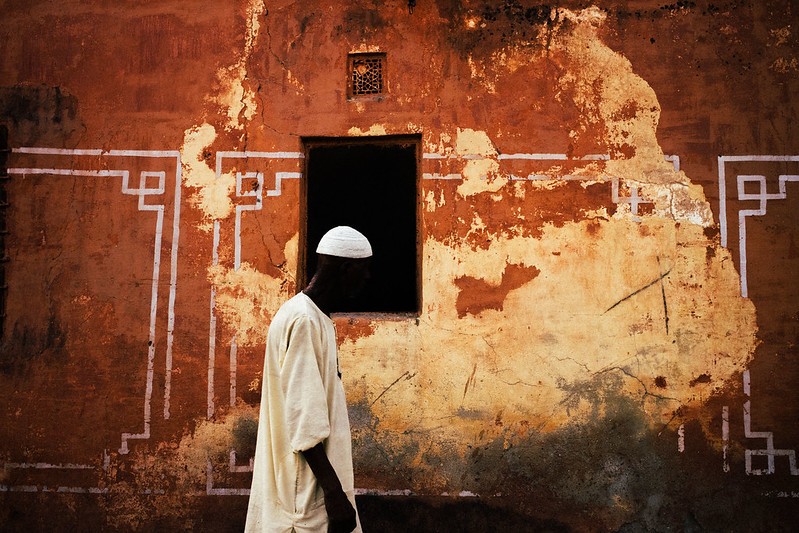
x,y
340,512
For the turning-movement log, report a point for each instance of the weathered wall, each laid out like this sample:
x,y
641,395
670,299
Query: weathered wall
x,y
608,322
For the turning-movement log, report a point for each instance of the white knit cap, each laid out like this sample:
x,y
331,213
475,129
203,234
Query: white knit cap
x,y
344,241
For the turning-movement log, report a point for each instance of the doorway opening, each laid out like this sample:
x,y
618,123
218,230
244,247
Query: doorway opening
x,y
370,184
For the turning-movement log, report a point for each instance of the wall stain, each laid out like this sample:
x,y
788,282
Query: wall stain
x,y
476,295
605,468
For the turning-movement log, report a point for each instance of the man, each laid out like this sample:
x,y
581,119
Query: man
x,y
302,475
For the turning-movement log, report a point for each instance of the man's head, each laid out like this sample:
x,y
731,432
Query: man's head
x,y
344,257
346,242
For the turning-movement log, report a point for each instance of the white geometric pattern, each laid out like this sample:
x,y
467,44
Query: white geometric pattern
x,y
762,196
770,452
118,158
634,200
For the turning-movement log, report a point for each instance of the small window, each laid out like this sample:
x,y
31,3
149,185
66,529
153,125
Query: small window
x,y
366,74
370,184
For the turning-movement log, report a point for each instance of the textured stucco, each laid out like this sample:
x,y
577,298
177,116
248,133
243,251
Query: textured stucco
x,y
583,357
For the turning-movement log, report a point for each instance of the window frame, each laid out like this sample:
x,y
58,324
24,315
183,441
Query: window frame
x,y
310,142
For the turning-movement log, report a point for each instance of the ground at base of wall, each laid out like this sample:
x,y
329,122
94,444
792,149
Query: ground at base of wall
x,y
379,514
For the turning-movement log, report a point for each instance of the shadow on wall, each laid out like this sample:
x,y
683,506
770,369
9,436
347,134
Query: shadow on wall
x,y
403,514
607,470
40,115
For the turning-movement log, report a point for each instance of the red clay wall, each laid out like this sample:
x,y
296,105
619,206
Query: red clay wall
x,y
608,324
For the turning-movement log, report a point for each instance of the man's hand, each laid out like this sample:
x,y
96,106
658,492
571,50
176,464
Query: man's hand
x,y
340,512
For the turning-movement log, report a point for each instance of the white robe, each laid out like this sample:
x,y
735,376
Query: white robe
x,y
302,404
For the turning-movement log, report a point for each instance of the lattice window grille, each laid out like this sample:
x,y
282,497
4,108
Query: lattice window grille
x,y
367,75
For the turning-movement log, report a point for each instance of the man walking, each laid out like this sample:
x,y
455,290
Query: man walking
x,y
302,475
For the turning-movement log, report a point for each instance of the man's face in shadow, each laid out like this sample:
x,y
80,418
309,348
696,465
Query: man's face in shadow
x,y
354,275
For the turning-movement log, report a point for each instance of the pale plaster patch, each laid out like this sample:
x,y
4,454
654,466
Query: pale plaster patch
x,y
364,48
689,320
213,195
496,361
246,299
479,175
432,203
210,439
470,142
603,86
442,146
374,129
478,72
681,201
238,101
234,95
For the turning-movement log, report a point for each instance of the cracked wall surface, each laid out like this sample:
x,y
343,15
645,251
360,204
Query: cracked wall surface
x,y
607,317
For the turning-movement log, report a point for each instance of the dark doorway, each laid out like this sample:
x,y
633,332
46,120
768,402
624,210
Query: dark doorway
x,y
370,185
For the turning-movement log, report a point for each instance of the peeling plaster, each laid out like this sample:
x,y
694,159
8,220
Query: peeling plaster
x,y
603,86
556,325
375,129
246,299
213,195
478,174
235,96
495,361
610,307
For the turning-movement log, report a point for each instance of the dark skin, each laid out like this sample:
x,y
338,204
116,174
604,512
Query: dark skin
x,y
336,280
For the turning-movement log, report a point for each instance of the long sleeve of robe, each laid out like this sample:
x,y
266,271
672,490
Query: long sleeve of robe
x,y
302,404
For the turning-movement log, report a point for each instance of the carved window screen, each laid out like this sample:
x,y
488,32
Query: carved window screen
x,y
367,73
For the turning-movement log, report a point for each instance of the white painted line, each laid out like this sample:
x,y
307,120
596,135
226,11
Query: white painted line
x,y
722,201
279,177
69,172
237,245
258,194
530,177
236,468
534,157
722,160
675,161
141,192
263,155
211,358
233,353
35,488
19,488
770,452
725,436
145,434
442,177
218,491
745,158
54,151
212,327
381,492
143,153
49,466
634,199
173,283
762,197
